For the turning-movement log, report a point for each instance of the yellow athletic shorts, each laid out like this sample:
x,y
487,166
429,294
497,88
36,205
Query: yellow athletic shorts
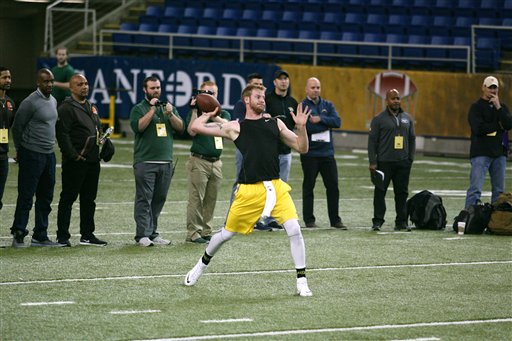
x,y
249,202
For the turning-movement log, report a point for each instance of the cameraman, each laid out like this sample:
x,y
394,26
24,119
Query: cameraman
x,y
204,169
154,124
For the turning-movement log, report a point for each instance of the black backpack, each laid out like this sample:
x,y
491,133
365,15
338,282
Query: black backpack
x,y
426,211
476,217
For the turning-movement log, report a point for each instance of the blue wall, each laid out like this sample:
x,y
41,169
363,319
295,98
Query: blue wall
x,y
124,76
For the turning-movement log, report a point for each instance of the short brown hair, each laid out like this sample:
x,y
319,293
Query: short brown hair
x,y
249,88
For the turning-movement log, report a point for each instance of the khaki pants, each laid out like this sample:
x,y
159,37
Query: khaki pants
x,y
204,181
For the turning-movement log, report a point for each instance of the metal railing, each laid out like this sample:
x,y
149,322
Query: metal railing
x,y
244,49
66,22
474,37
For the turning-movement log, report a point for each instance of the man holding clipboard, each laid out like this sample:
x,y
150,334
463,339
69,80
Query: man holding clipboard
x,y
391,148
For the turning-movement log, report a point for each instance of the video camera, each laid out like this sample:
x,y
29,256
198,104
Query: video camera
x,y
162,103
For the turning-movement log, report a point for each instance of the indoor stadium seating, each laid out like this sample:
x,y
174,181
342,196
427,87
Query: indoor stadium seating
x,y
436,22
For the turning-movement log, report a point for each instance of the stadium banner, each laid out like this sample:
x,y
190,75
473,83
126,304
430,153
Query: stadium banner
x,y
123,78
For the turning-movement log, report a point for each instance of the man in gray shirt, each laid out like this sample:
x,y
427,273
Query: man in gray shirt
x,y
391,148
33,133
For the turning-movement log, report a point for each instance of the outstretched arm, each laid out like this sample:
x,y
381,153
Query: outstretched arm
x,y
200,125
297,141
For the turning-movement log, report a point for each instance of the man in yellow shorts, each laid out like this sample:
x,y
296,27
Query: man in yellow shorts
x,y
256,137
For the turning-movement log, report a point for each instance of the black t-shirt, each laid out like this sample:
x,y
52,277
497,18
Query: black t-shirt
x,y
258,142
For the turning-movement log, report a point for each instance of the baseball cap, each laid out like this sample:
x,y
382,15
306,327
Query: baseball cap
x,y
490,81
279,73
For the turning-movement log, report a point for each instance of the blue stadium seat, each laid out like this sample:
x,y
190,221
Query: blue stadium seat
x,y
152,15
308,34
251,14
419,25
145,39
375,23
371,51
184,41
291,16
244,32
332,21
414,52
120,38
172,15
311,17
422,7
438,53
328,48
462,26
270,15
441,25
232,14
443,8
467,8
490,8
507,9
212,13
162,40
459,41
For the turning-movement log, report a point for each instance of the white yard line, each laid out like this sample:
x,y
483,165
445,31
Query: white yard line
x,y
120,278
228,320
336,330
129,312
31,304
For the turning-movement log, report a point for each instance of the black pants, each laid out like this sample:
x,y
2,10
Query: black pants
x,y
398,172
327,168
78,178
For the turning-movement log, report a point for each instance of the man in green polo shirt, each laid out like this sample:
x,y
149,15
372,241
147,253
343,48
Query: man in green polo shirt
x,y
204,169
62,73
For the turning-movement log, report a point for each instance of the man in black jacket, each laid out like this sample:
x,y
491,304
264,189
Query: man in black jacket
x,y
6,119
78,134
279,103
490,121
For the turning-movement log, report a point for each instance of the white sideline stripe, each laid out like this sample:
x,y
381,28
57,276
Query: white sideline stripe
x,y
245,319
433,338
335,330
71,280
127,312
31,304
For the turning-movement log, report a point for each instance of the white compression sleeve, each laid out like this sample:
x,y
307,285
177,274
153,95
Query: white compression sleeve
x,y
270,200
217,240
297,246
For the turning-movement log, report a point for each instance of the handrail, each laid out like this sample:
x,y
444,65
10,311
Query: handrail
x,y
474,38
243,50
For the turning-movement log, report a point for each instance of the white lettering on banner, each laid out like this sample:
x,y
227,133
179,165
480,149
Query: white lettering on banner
x,y
177,87
227,88
203,77
181,86
131,89
100,88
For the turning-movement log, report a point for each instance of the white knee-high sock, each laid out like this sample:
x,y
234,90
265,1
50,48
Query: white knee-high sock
x,y
297,246
270,200
217,240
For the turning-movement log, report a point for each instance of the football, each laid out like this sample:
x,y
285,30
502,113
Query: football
x,y
207,103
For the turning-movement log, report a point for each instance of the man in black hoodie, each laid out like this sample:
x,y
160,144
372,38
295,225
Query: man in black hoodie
x,y
78,134
490,121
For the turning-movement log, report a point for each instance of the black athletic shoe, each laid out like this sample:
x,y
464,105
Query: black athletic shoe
x,y
64,243
92,241
376,227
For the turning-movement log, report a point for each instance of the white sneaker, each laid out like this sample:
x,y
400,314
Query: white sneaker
x,y
302,287
145,242
160,241
194,274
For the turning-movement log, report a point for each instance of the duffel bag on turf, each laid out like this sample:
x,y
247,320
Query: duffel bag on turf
x,y
501,217
476,217
426,211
